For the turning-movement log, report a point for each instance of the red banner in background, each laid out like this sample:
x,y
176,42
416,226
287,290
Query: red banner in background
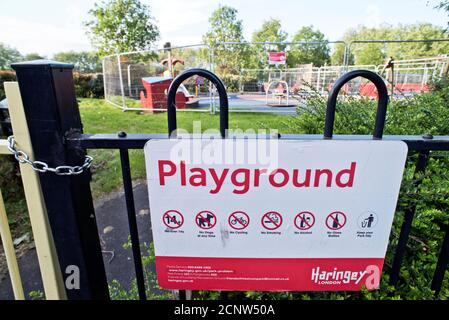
x,y
277,58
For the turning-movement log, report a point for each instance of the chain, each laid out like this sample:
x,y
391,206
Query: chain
x,y
40,166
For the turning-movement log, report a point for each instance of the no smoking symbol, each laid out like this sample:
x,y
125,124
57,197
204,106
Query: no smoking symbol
x,y
173,219
238,220
336,220
205,220
304,220
271,220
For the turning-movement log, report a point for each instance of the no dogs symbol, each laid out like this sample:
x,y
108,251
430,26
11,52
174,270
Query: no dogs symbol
x,y
173,219
205,220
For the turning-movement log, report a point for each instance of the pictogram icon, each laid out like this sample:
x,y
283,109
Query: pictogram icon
x,y
173,219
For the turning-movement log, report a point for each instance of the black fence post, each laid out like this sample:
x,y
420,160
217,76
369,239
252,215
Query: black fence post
x,y
52,113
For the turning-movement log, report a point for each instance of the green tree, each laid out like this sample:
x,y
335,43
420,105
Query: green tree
x,y
120,26
83,61
226,27
377,53
318,54
270,31
8,55
33,56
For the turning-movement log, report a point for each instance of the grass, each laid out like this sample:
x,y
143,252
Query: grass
x,y
100,117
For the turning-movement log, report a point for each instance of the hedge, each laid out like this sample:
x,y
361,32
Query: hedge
x,y
87,85
5,75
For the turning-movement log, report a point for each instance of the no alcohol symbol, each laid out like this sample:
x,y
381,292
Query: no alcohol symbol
x,y
304,220
336,220
173,219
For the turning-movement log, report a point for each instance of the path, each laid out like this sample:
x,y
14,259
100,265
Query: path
x,y
113,227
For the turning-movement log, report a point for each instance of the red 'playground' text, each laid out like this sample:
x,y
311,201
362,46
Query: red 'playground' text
x,y
243,179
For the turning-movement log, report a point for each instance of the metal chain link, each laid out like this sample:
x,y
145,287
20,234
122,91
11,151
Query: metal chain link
x,y
40,166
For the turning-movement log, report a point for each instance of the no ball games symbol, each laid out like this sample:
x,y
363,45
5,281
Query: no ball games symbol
x,y
271,220
238,220
304,220
205,220
336,220
173,219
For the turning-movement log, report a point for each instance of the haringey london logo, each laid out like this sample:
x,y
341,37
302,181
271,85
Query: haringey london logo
x,y
335,276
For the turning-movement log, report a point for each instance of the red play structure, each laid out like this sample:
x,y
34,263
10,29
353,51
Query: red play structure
x,y
154,95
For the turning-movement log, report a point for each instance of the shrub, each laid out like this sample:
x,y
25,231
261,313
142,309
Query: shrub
x,y
88,85
5,75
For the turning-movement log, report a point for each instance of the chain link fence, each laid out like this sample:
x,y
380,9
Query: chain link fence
x,y
139,80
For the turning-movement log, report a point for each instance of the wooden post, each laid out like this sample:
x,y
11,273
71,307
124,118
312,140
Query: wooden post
x,y
10,253
43,239
52,113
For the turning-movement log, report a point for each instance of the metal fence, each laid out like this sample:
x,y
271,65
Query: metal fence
x,y
49,97
139,80
129,77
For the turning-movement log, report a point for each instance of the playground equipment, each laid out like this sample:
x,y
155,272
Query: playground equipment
x,y
123,75
280,92
154,95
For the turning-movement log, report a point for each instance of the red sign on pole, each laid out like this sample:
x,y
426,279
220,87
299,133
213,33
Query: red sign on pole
x,y
277,58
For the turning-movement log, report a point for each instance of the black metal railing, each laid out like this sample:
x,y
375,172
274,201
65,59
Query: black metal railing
x,y
75,142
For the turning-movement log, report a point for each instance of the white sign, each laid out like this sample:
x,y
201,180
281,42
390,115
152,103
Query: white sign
x,y
319,220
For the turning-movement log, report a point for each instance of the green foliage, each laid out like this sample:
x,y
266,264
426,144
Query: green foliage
x,y
270,31
377,53
88,85
226,27
33,56
13,195
153,291
36,295
5,75
318,54
8,55
83,61
121,26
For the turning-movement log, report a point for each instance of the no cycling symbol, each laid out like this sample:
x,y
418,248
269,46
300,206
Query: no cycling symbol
x,y
238,220
271,220
205,220
173,219
336,220
304,220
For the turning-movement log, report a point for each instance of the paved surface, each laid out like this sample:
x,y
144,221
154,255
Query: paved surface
x,y
113,228
252,103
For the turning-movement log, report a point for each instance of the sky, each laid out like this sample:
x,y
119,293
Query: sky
x,y
49,26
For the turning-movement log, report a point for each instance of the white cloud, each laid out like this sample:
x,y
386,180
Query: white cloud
x,y
46,39
175,17
372,18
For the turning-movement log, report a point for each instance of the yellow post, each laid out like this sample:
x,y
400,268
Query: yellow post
x,y
46,252
10,253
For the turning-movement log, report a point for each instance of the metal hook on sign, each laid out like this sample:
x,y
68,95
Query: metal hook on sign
x,y
382,93
171,98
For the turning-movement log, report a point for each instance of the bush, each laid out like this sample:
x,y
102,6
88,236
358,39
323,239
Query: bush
x,y
5,75
88,85
421,114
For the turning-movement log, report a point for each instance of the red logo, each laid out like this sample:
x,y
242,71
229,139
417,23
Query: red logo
x,y
173,219
205,220
271,220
